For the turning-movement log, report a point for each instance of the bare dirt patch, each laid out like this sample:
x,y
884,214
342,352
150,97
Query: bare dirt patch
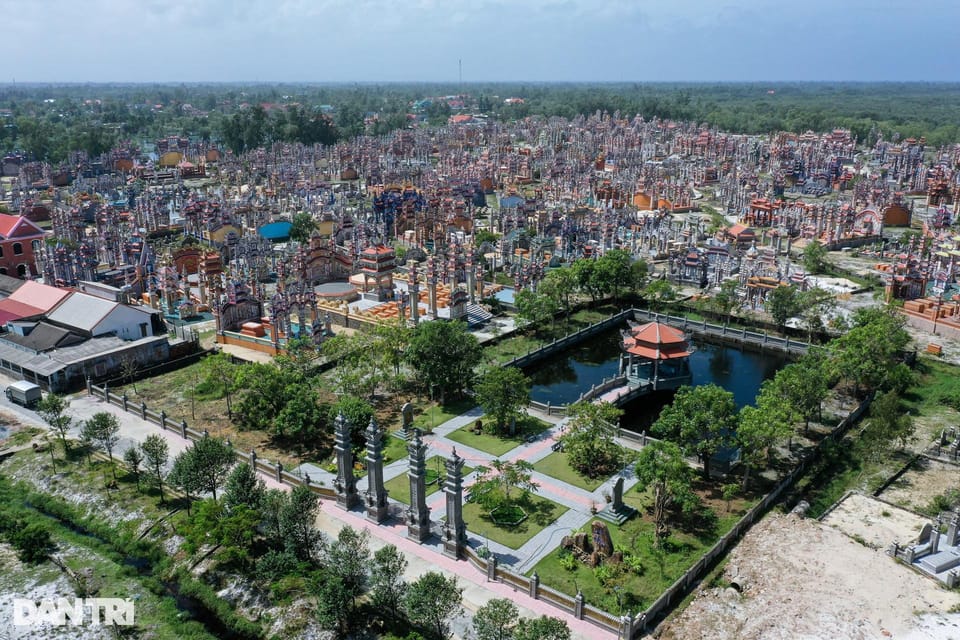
x,y
925,480
801,578
874,522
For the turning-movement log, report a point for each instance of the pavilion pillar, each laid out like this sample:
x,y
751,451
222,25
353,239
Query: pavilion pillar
x,y
454,529
418,514
375,496
345,484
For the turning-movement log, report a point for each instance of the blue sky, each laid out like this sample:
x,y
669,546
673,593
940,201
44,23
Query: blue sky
x,y
497,40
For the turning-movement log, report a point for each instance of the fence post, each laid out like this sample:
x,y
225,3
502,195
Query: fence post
x,y
143,410
163,419
535,586
492,568
548,407
89,386
280,472
253,459
123,399
626,628
578,606
183,429
106,392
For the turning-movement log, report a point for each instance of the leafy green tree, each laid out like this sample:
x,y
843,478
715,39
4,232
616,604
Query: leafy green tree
x,y
334,601
362,365
661,468
431,601
392,339
815,305
534,307
783,303
613,272
303,225
585,273
133,457
868,355
204,466
589,439
559,285
303,415
295,524
497,483
156,453
349,557
495,620
33,542
503,393
803,385
220,376
53,409
542,628
102,430
387,586
263,394
815,258
760,427
444,356
659,293
700,419
243,488
886,425
725,301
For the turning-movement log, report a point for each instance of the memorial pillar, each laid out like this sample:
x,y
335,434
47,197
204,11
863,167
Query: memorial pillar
x,y
345,484
376,495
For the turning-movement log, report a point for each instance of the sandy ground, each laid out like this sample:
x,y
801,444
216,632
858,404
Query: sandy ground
x,y
925,480
804,579
874,522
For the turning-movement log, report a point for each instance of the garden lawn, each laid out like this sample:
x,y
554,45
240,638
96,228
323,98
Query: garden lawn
x,y
435,415
659,569
540,513
496,445
557,465
399,487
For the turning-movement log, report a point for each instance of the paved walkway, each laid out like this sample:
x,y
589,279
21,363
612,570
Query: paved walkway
x,y
424,557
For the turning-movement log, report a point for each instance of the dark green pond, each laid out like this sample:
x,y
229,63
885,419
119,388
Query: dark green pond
x,y
562,378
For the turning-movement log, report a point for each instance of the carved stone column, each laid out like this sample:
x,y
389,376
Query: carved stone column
x,y
375,496
418,514
454,529
345,484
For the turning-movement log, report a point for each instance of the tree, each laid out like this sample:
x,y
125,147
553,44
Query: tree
x,y
542,628
358,413
444,356
134,458
612,272
497,488
503,393
495,620
760,427
700,419
295,524
102,430
585,273
205,465
185,476
886,425
534,307
589,439
432,600
782,304
33,542
265,392
659,293
868,355
387,586
303,225
816,305
348,558
156,454
302,416
334,601
725,300
243,488
803,385
815,258
661,468
220,375
129,367
560,284
53,409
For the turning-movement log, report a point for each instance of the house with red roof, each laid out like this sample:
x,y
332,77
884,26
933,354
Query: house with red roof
x,y
20,238
657,355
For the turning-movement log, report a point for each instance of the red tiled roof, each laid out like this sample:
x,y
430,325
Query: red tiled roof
x,y
14,310
656,341
41,296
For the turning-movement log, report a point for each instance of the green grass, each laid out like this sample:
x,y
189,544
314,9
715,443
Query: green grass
x,y
498,445
556,465
938,387
23,436
540,513
432,416
658,569
399,487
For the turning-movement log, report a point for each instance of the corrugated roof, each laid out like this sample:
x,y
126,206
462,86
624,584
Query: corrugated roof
x,y
41,296
45,337
81,311
13,310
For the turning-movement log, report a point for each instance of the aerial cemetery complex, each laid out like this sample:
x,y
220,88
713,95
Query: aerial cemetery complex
x,y
724,315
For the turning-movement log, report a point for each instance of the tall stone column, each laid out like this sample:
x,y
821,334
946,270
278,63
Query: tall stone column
x,y
414,294
375,496
345,484
418,514
454,529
